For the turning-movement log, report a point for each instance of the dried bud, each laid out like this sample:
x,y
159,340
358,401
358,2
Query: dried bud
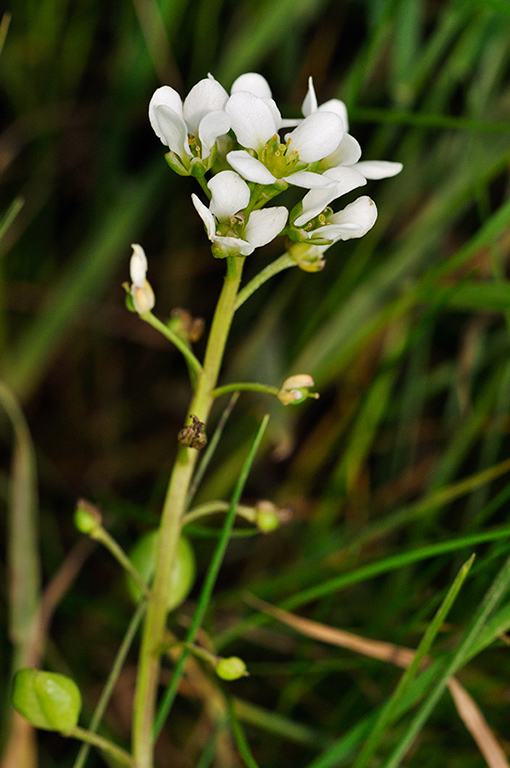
x,y
193,436
296,388
185,325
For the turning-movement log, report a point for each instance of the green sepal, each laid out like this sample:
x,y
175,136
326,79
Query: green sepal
x,y
176,164
47,700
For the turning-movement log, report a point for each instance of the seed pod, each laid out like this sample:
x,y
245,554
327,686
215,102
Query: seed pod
x,y
143,558
47,700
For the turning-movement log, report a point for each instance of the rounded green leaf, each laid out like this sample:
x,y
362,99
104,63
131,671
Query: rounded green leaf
x,y
143,558
47,700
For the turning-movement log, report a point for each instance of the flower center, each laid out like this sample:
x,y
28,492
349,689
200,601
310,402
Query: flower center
x,y
194,145
278,158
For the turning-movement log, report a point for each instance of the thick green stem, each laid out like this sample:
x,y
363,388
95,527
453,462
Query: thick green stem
x,y
173,510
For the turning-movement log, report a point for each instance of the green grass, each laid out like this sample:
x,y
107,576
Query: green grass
x,y
396,475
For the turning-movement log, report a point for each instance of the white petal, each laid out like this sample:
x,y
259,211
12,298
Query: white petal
x,y
253,83
339,108
206,216
310,102
348,152
235,245
307,180
212,125
249,167
263,226
165,115
317,136
138,265
230,194
345,180
378,169
207,95
253,120
354,221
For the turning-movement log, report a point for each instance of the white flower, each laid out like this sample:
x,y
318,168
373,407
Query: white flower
x,y
141,290
343,180
348,151
190,129
225,222
310,105
256,120
253,83
354,221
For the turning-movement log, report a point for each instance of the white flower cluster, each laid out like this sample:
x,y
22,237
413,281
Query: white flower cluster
x,y
242,139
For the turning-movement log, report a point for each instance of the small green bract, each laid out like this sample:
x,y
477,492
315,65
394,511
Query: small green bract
x,y
47,700
143,558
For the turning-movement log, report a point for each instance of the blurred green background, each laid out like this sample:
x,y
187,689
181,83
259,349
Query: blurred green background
x,y
395,476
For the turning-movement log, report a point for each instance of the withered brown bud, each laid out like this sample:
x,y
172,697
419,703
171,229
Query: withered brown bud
x,y
193,436
185,325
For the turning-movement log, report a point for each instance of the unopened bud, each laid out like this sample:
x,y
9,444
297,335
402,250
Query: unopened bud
x,y
87,517
296,388
231,669
308,257
266,516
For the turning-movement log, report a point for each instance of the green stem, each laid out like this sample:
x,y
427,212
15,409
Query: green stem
x,y
245,386
282,262
106,746
213,507
173,510
175,339
103,537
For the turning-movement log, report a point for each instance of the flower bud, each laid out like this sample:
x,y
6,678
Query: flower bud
x,y
141,290
307,257
188,328
296,388
47,700
266,516
231,669
87,517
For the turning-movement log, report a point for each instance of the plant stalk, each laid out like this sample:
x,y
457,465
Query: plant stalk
x,y
173,509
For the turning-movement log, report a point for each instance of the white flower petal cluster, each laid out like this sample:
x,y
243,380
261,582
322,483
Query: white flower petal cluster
x,y
190,128
264,153
227,227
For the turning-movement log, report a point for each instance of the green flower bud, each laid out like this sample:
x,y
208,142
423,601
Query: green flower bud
x,y
47,700
143,558
308,257
87,517
266,517
231,669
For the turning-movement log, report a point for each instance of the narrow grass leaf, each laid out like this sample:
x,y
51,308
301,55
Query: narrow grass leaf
x,y
388,712
490,602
